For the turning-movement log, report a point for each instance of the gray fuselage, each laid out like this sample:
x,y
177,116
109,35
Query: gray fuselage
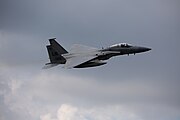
x,y
115,50
81,56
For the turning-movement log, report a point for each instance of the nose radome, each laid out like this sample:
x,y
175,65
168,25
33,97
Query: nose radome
x,y
144,49
147,49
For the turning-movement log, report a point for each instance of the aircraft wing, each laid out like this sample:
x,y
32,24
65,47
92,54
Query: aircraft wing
x,y
77,48
75,61
80,54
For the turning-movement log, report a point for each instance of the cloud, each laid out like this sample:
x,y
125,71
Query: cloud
x,y
32,94
69,112
47,117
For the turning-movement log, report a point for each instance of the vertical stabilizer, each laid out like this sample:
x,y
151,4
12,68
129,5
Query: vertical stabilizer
x,y
57,46
55,51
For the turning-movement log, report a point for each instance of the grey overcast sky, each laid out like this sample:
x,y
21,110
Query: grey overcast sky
x,y
140,87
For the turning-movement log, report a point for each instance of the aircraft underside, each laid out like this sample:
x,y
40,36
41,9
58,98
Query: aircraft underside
x,y
90,64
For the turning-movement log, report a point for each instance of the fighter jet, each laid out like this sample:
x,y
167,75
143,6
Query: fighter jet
x,y
81,56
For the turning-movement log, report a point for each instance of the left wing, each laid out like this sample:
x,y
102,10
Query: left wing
x,y
80,54
77,60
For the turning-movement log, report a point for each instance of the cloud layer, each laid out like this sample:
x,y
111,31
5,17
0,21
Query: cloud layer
x,y
69,112
140,87
31,94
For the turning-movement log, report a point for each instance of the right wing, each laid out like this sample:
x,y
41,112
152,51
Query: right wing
x,y
77,48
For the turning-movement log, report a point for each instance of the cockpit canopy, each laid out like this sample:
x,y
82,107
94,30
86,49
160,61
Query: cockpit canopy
x,y
125,45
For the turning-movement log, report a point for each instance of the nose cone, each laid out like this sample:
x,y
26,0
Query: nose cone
x,y
144,49
147,49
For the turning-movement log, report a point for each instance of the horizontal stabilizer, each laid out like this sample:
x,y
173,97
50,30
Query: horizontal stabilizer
x,y
49,65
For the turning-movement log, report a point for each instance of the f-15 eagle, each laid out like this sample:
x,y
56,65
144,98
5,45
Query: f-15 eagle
x,y
81,56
